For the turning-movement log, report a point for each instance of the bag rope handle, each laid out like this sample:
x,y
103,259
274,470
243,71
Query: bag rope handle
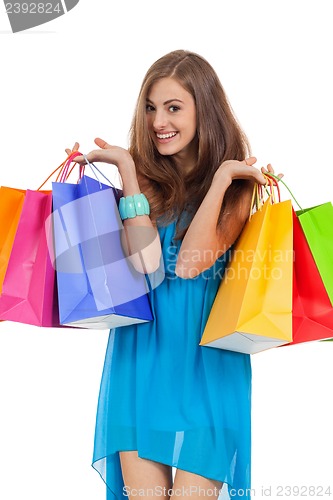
x,y
93,168
278,179
65,170
61,169
68,169
258,199
273,183
61,166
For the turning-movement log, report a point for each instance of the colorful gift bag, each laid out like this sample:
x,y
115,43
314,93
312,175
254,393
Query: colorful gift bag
x,y
317,224
312,305
252,310
28,292
28,289
11,202
312,309
97,285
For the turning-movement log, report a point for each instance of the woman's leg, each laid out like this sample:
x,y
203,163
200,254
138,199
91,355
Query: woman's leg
x,y
192,486
145,479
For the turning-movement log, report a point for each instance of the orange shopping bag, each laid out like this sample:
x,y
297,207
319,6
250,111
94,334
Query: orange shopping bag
x,y
11,202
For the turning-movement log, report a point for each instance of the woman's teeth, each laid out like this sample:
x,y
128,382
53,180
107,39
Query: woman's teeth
x,y
166,136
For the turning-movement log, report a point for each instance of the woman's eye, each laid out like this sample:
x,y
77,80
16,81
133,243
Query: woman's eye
x,y
149,107
173,109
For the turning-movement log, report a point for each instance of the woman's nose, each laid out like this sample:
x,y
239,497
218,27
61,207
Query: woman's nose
x,y
160,120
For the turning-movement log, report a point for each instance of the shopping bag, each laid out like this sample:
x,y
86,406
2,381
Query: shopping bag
x,y
317,224
28,291
312,309
252,310
11,202
97,286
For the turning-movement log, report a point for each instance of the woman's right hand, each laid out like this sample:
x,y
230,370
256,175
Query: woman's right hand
x,y
75,148
107,153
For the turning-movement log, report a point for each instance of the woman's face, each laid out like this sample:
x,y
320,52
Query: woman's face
x,y
171,119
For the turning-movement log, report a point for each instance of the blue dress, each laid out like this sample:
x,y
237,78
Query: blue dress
x,y
174,401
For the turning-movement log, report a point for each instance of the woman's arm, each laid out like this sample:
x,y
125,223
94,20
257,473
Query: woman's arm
x,y
205,240
140,237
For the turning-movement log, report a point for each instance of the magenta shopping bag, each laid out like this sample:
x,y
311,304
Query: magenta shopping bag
x,y
28,291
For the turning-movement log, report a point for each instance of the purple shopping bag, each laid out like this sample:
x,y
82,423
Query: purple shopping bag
x,y
97,286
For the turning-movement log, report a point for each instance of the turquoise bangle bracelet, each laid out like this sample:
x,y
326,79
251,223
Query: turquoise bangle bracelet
x,y
131,206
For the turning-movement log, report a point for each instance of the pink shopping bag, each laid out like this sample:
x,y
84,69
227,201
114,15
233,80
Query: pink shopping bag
x,y
29,293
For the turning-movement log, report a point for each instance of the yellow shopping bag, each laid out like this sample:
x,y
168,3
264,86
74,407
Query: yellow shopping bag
x,y
252,310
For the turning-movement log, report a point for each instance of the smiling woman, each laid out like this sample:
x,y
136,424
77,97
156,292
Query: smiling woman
x,y
171,120
165,401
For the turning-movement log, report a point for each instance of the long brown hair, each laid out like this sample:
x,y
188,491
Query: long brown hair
x,y
219,138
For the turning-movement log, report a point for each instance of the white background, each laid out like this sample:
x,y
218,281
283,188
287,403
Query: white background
x,y
78,77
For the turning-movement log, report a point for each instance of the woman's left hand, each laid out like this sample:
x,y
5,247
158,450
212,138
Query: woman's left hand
x,y
270,170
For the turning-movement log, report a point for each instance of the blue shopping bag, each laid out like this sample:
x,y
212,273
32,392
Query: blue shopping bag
x,y
97,285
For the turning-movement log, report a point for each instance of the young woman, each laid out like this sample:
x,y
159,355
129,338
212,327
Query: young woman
x,y
165,401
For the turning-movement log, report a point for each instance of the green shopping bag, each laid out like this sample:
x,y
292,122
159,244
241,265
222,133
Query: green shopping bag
x,y
317,225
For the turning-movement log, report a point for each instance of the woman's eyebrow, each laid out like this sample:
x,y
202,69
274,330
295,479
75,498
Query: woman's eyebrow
x,y
172,100
166,102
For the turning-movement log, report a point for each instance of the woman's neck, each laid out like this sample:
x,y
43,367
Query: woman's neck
x,y
187,159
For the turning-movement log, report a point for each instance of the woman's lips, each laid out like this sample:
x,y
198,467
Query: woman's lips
x,y
166,137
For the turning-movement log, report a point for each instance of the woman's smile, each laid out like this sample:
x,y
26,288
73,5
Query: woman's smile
x,y
166,137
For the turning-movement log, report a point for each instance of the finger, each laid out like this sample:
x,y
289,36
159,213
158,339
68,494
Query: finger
x,y
80,160
261,179
270,169
255,174
75,148
95,155
102,144
250,160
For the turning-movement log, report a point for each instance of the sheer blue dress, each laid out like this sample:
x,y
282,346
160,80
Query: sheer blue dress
x,y
173,401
